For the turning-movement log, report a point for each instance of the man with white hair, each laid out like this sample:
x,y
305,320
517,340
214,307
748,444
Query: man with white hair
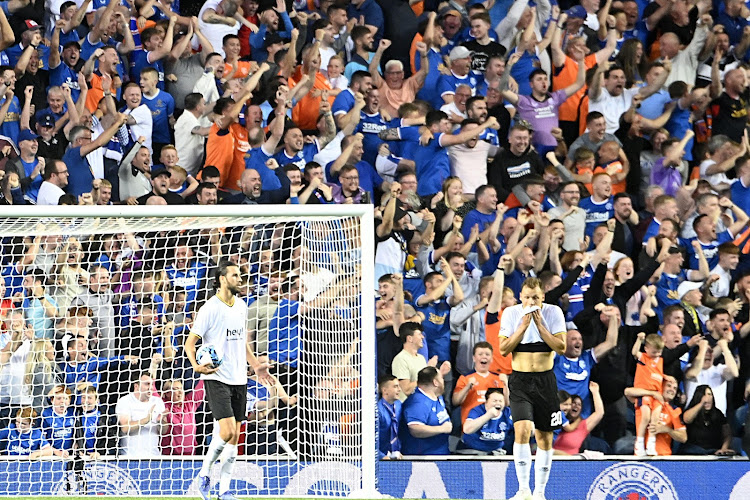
x,y
394,89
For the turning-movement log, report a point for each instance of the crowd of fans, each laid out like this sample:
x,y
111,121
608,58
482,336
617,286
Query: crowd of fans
x,y
601,148
91,342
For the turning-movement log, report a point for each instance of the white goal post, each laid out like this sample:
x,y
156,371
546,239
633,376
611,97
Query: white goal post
x,y
96,395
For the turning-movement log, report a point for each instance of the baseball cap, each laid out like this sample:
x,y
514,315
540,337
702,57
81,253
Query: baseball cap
x,y
577,12
673,250
459,52
32,25
400,214
27,135
686,287
160,170
447,11
45,119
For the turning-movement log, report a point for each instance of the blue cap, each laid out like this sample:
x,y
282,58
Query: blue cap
x,y
45,119
577,12
27,135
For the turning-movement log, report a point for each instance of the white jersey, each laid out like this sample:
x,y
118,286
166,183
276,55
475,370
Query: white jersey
x,y
224,327
552,318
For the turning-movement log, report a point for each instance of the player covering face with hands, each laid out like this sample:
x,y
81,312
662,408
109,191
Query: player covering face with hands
x,y
221,323
533,332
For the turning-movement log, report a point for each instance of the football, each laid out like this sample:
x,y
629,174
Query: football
x,y
207,355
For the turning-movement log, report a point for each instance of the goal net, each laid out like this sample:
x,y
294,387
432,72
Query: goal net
x,y
96,393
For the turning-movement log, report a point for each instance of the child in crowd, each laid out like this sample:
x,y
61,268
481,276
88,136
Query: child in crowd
x,y
566,401
609,162
585,161
649,375
180,182
58,420
22,439
336,75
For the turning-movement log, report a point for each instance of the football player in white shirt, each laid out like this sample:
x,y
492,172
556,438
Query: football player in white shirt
x,y
221,323
533,332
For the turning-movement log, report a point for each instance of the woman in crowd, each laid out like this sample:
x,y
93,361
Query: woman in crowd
x,y
572,437
707,427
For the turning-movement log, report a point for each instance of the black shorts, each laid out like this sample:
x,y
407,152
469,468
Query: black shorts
x,y
226,400
533,396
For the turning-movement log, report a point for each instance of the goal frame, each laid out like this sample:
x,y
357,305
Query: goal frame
x,y
365,213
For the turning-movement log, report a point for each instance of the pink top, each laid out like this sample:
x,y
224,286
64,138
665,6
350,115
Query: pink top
x,y
180,438
571,442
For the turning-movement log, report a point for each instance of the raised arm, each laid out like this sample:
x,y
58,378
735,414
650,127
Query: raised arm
x,y
740,217
77,18
466,135
498,285
374,67
105,137
595,89
6,32
658,15
609,49
598,414
166,45
439,291
602,16
732,371
580,79
659,82
424,69
54,46
179,48
558,56
697,365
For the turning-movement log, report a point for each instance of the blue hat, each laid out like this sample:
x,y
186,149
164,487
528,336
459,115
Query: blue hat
x,y
45,119
577,12
27,135
160,170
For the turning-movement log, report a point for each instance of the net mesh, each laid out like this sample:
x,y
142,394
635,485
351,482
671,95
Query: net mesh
x,y
95,315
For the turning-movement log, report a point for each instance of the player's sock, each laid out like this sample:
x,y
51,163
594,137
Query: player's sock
x,y
542,466
227,465
214,450
522,460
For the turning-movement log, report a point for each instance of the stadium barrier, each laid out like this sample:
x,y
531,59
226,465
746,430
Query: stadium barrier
x,y
477,479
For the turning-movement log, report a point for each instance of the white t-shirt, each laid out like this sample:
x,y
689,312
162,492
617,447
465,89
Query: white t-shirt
x,y
143,125
224,326
13,390
612,107
713,179
49,194
552,318
713,377
144,441
214,32
189,145
721,288
470,164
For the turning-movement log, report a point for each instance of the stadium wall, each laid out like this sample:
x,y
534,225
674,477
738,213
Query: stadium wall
x,y
491,479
